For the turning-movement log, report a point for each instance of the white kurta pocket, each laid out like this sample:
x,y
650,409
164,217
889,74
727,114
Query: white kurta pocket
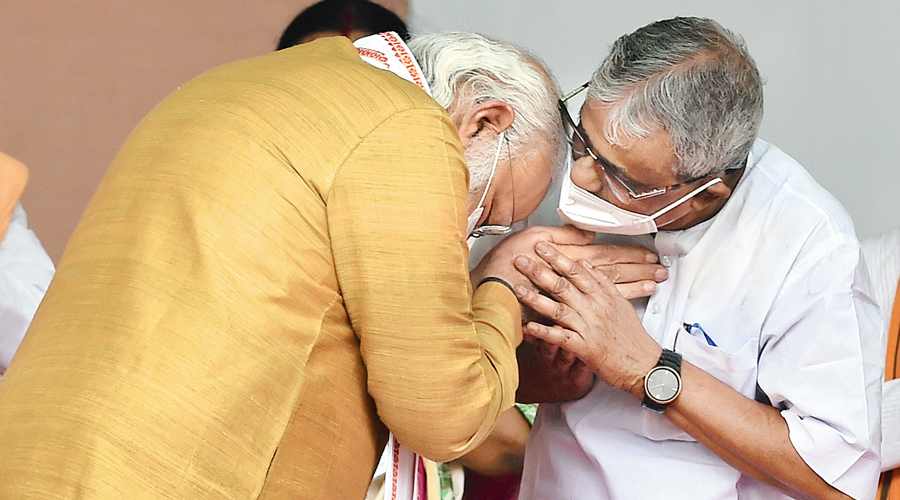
x,y
737,370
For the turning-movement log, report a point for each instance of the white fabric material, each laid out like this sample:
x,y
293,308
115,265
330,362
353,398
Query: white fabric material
x,y
25,272
388,52
882,253
776,280
890,425
402,481
883,261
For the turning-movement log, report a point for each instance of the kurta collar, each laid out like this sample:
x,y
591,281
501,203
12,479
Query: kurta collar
x,y
679,243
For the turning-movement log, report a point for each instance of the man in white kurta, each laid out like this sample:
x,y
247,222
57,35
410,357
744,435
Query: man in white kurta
x,y
776,281
757,364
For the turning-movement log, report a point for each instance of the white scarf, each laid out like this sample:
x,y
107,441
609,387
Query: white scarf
x,y
387,51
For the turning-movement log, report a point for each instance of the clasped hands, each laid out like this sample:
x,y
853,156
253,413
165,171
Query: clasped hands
x,y
578,318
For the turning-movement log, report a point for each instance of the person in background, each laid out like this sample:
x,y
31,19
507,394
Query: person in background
x,y
754,370
353,19
883,262
25,267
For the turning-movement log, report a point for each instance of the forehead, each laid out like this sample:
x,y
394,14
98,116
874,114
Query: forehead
x,y
535,169
645,159
538,163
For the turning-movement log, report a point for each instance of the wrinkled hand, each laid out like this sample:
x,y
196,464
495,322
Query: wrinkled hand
x,y
633,269
548,373
592,320
499,261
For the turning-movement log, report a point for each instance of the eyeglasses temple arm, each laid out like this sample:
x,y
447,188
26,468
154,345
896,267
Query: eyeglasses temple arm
x,y
681,200
573,93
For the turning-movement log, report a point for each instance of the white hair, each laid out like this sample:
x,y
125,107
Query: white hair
x,y
467,68
694,79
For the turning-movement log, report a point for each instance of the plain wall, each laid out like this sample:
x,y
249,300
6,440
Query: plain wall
x,y
831,70
76,76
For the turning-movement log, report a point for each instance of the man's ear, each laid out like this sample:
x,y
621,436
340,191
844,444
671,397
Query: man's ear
x,y
495,116
718,192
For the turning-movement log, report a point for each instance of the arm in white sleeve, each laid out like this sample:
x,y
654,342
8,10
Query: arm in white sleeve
x,y
25,273
821,352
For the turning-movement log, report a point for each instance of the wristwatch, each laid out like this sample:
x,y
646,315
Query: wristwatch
x,y
662,384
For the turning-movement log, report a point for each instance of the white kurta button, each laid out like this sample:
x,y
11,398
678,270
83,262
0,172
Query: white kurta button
x,y
655,308
666,260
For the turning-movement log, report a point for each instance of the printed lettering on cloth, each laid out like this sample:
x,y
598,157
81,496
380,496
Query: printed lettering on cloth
x,y
387,51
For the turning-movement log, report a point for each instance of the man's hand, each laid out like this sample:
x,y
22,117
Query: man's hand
x,y
633,269
503,451
548,373
592,320
595,323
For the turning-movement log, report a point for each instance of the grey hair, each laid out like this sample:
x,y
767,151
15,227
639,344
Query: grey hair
x,y
691,77
467,68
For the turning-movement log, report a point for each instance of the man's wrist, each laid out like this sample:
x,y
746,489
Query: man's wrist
x,y
498,280
662,384
641,369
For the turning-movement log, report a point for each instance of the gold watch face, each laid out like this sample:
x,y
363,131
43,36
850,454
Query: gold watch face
x,y
662,384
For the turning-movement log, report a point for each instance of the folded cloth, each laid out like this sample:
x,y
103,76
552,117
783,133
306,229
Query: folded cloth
x,y
13,178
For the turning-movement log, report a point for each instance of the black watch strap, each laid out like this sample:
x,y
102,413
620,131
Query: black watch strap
x,y
670,359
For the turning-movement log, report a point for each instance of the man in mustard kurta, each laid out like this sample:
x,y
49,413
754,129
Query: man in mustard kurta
x,y
273,273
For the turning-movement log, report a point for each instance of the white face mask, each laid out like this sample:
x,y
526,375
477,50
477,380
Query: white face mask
x,y
588,211
475,216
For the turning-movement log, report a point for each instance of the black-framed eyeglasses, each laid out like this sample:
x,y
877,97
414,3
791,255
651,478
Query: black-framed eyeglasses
x,y
581,147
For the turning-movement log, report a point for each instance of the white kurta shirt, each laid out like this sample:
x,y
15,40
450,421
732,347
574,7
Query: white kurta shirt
x,y
883,261
776,281
25,272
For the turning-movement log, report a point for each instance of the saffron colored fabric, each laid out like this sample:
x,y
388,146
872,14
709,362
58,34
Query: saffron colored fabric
x,y
271,275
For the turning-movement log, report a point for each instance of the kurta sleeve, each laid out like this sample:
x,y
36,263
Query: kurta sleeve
x,y
821,364
25,268
440,361
25,273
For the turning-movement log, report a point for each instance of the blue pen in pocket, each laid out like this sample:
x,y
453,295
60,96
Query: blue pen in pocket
x,y
696,326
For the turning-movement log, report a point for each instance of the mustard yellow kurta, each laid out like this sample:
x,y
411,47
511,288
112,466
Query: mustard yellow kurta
x,y
272,270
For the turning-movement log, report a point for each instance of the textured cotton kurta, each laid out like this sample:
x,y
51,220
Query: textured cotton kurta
x,y
271,272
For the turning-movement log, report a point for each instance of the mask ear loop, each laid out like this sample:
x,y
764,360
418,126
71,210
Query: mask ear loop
x,y
512,179
686,197
493,167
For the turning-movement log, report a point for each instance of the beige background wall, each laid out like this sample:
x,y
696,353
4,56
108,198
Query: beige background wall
x,y
76,76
